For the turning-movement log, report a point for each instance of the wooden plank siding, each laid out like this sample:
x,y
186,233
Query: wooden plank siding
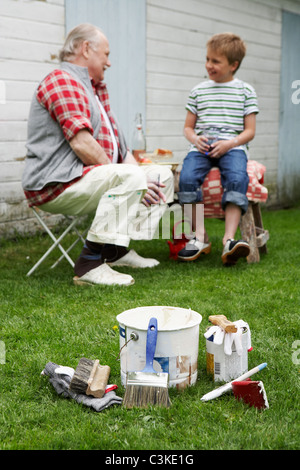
x,y
177,33
124,24
32,32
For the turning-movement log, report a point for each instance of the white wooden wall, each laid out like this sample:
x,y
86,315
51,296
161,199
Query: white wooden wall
x,y
31,34
124,24
177,32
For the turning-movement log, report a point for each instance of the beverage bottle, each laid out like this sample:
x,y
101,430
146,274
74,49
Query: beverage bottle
x,y
138,141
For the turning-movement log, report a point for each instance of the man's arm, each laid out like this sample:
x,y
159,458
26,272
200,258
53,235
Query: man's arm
x,y
130,159
87,149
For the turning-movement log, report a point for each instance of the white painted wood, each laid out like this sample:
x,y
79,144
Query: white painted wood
x,y
37,31
2,92
15,49
10,172
32,32
40,11
11,193
176,42
19,90
15,131
12,151
289,149
124,23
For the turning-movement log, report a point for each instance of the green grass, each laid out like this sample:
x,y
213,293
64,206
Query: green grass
x,y
46,318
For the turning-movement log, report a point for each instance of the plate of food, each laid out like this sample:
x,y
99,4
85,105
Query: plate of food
x,y
160,156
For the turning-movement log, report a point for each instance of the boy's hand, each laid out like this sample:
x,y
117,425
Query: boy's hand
x,y
201,144
218,149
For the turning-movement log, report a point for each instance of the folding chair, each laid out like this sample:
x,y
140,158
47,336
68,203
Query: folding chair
x,y
72,221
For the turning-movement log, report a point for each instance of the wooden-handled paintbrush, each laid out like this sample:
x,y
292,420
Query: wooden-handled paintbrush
x,y
90,378
221,320
147,387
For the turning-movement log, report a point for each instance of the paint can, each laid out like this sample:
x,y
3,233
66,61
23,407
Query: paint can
x,y
177,344
225,367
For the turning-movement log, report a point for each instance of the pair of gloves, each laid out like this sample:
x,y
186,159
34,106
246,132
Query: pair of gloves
x,y
60,378
220,336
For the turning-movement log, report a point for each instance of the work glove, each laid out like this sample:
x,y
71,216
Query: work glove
x,y
217,332
237,338
219,336
60,378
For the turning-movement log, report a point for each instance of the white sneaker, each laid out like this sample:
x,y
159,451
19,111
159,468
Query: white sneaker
x,y
104,275
193,249
133,260
233,250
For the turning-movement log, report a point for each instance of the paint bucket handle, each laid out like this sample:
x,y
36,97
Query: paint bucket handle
x,y
133,337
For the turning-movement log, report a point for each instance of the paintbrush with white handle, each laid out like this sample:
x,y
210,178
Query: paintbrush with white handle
x,y
227,387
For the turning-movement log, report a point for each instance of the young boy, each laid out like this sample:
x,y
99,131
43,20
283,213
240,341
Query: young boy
x,y
229,106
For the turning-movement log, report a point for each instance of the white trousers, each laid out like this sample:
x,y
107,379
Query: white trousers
x,y
113,193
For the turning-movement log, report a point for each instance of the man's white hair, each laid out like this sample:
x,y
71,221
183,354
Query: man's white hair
x,y
79,34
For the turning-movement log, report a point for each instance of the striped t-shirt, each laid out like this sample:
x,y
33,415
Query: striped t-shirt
x,y
222,106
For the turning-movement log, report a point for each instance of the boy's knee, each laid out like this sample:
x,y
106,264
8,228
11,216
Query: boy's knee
x,y
189,193
236,198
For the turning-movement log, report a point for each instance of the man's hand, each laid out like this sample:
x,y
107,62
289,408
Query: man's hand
x,y
153,194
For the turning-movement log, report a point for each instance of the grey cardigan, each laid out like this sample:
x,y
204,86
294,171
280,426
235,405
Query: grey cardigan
x,y
49,158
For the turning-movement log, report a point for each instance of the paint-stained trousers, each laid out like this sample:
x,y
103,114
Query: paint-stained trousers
x,y
114,193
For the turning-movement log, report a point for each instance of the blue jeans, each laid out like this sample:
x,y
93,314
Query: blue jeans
x,y
234,177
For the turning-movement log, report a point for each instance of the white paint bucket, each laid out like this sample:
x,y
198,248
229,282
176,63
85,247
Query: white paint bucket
x,y
177,342
224,367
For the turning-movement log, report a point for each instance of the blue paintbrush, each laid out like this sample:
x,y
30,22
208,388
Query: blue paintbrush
x,y
147,387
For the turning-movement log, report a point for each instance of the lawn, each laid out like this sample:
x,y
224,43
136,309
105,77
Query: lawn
x,y
45,318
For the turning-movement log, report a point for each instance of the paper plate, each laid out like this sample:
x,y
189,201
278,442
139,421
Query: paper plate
x,y
174,165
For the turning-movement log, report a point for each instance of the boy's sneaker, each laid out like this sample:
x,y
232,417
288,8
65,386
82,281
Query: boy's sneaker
x,y
233,250
193,249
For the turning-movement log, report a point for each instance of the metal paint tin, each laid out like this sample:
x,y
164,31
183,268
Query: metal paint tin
x,y
177,342
224,367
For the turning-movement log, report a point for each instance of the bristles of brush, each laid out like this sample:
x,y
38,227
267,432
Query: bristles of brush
x,y
141,396
79,382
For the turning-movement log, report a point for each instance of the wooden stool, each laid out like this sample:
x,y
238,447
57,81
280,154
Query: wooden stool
x,y
252,230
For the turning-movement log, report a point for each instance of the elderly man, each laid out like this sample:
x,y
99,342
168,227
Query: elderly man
x,y
78,163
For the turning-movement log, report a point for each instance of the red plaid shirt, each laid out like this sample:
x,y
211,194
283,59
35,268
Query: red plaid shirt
x,y
67,103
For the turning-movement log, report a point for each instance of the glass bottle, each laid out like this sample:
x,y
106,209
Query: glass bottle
x,y
138,141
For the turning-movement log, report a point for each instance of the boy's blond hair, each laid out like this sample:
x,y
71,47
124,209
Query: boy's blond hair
x,y
230,45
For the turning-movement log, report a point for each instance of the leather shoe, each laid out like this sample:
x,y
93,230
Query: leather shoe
x,y
233,250
133,260
103,275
